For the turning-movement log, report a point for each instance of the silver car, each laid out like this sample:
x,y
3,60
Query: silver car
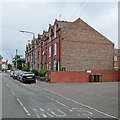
x,y
11,73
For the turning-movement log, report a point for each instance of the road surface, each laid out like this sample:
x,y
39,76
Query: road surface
x,y
32,101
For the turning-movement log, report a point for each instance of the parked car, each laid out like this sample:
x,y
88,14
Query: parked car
x,y
27,77
11,73
18,74
15,74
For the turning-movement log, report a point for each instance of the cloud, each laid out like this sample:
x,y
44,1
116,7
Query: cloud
x,y
36,17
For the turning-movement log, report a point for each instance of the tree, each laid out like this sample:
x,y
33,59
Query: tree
x,y
1,57
27,67
9,67
0,62
19,61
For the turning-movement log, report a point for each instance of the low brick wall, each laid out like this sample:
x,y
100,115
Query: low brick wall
x,y
57,77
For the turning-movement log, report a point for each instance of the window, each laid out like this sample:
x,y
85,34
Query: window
x,y
31,58
58,66
115,58
43,52
49,65
50,51
28,58
55,64
43,66
55,31
55,48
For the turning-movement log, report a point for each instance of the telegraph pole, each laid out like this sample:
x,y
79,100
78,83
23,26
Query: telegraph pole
x,y
16,58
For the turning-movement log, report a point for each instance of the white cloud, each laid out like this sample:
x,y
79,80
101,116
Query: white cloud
x,y
36,17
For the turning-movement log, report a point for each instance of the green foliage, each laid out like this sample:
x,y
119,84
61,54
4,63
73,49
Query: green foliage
x,y
42,73
0,67
35,71
9,67
19,61
26,68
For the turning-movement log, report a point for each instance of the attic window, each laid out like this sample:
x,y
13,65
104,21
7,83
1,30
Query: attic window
x,y
55,31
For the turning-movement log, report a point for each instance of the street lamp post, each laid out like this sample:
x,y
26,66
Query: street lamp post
x,y
28,32
33,40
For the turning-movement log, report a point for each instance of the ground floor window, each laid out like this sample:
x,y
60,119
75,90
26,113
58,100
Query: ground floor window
x,y
49,65
55,65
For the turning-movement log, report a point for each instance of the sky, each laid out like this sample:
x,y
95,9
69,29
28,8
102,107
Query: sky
x,y
36,17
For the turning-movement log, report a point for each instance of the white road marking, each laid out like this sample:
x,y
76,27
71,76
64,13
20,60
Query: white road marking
x,y
36,112
41,109
57,101
23,107
7,85
50,115
61,103
78,103
70,110
57,115
43,114
12,92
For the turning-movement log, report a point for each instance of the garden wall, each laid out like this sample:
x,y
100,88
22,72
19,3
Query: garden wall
x,y
62,76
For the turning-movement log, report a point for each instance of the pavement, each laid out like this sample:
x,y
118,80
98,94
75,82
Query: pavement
x,y
58,100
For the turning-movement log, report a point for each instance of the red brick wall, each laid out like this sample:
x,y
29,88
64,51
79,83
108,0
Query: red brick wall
x,y
84,48
57,77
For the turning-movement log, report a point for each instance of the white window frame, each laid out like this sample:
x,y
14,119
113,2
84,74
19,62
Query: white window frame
x,y
55,65
43,52
115,58
28,59
49,51
55,31
31,58
49,65
55,48
58,65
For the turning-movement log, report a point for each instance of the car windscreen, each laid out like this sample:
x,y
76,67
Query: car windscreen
x,y
16,71
27,74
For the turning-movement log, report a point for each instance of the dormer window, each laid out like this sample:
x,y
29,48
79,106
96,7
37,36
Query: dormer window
x,y
55,31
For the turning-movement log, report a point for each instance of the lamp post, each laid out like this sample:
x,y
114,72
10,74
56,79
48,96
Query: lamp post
x,y
33,40
28,32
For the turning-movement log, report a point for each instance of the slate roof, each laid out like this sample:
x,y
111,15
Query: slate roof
x,y
62,23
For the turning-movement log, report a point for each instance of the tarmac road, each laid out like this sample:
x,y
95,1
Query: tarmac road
x,y
45,100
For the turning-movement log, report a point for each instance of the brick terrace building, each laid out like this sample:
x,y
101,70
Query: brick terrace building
x,y
70,46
